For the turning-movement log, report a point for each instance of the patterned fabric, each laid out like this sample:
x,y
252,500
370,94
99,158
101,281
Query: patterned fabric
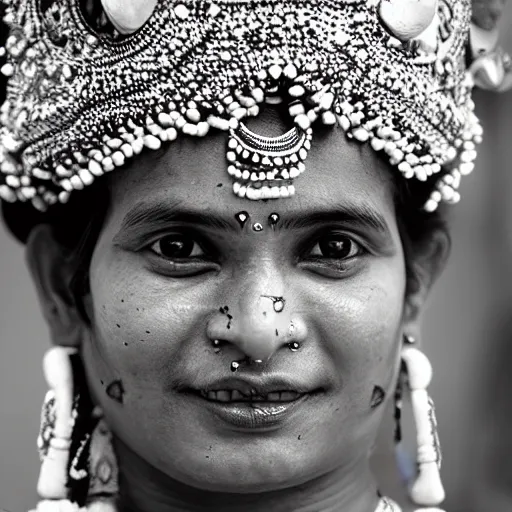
x,y
80,101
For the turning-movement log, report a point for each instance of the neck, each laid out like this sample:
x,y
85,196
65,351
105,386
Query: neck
x,y
145,489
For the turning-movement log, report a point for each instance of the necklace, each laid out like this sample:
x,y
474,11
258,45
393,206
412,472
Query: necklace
x,y
385,505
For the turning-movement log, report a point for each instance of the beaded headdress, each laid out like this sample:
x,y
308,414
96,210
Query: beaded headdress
x,y
83,99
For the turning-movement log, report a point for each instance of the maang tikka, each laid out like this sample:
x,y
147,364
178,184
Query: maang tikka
x,y
265,167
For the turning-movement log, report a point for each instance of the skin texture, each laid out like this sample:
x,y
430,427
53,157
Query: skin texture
x,y
152,324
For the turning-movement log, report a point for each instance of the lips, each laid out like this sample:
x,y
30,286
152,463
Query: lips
x,y
254,388
250,403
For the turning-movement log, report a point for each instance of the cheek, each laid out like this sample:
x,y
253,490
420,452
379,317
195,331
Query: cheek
x,y
143,326
360,326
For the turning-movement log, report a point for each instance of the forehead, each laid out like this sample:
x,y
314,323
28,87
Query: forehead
x,y
192,173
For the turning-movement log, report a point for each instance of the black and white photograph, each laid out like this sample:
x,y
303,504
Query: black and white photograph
x,y
255,255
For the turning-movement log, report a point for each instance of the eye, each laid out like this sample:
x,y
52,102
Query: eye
x,y
177,246
336,246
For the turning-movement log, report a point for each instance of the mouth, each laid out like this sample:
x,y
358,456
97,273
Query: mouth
x,y
249,405
234,395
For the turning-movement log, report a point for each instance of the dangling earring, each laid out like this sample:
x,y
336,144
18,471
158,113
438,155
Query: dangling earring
x,y
103,469
54,440
78,463
426,488
405,463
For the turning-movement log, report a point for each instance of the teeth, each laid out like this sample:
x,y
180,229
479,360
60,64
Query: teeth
x,y
288,396
236,395
225,395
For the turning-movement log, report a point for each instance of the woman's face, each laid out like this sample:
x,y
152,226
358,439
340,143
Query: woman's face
x,y
177,266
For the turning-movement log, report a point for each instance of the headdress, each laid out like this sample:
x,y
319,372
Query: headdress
x,y
82,99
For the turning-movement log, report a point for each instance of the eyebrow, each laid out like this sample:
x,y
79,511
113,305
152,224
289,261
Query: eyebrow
x,y
165,213
361,215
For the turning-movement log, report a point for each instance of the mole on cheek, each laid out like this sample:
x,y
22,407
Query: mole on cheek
x,y
115,390
378,396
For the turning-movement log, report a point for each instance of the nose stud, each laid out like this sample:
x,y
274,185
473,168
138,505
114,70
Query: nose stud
x,y
242,218
409,340
277,302
294,346
236,364
273,219
216,346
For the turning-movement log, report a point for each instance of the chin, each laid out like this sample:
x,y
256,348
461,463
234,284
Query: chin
x,y
251,469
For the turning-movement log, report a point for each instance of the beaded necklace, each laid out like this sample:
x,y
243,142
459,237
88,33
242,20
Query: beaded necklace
x,y
385,505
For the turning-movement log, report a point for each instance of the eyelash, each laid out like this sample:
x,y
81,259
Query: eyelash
x,y
359,249
154,247
187,257
188,266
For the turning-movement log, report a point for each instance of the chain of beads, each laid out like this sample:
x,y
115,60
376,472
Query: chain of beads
x,y
80,104
265,167
385,505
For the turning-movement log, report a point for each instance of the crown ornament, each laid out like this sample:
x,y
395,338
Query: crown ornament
x,y
127,17
83,98
407,19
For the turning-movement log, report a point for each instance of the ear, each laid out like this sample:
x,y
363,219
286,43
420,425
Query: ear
x,y
429,262
52,270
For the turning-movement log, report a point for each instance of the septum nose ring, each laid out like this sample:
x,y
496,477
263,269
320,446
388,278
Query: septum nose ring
x,y
293,346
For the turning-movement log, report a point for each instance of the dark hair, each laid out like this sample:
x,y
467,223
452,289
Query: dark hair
x,y
76,227
416,226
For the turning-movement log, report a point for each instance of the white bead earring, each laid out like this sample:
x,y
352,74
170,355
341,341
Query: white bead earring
x,y
79,469
426,488
57,424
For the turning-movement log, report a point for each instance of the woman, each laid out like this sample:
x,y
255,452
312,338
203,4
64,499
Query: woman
x,y
228,341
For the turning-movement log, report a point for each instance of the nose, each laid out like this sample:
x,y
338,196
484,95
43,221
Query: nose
x,y
260,318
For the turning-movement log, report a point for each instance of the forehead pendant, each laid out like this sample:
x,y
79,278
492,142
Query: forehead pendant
x,y
265,167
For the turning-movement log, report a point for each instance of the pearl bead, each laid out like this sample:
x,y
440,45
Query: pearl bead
x,y
303,121
95,168
151,142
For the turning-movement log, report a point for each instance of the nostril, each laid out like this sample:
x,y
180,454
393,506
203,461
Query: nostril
x,y
257,328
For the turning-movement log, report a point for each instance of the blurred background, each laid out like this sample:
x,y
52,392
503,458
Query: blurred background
x,y
467,335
